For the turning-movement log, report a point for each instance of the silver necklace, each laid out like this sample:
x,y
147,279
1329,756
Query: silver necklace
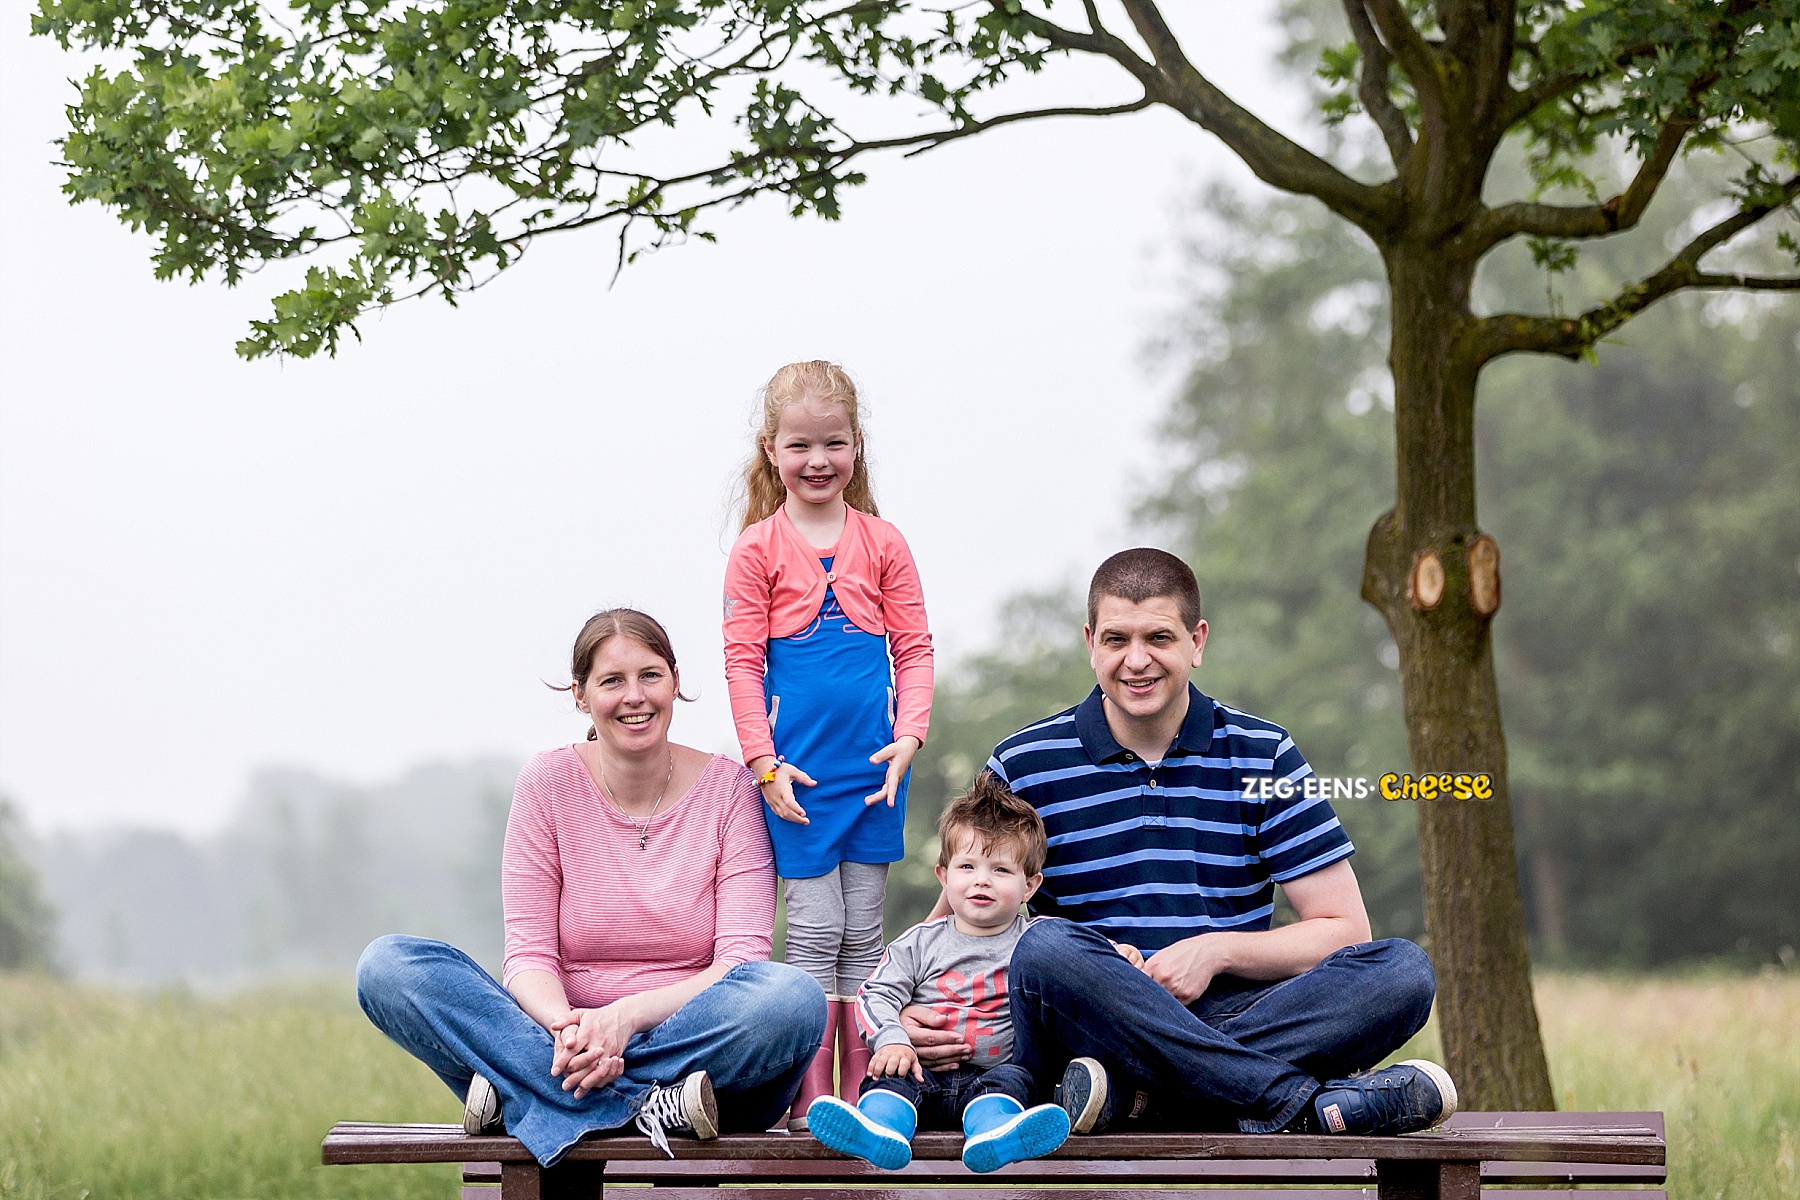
x,y
644,829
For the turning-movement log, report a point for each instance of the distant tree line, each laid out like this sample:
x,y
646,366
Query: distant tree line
x,y
305,875
27,922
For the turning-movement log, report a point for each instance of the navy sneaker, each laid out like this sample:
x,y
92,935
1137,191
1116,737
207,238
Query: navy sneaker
x,y
1403,1098
1086,1096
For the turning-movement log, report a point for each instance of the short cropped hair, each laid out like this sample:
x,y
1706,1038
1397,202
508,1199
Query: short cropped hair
x,y
998,818
1139,574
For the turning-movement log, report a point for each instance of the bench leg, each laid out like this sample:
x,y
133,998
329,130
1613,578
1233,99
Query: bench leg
x,y
571,1181
1404,1179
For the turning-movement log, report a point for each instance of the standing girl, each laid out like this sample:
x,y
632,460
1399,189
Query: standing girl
x,y
819,593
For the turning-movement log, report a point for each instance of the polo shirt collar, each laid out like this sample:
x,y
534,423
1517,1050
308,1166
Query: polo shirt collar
x,y
1097,739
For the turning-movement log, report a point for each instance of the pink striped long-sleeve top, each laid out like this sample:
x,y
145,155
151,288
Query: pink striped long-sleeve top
x,y
611,920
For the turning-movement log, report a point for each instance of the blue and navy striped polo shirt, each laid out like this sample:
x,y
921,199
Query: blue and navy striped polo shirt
x,y
1152,855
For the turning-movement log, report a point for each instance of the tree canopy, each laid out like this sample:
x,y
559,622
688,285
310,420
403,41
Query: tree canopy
x,y
431,143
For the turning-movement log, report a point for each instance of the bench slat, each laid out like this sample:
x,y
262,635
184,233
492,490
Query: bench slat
x,y
488,1192
1161,1173
1322,1171
447,1143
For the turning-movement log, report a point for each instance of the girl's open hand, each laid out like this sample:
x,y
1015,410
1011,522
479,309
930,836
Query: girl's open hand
x,y
778,793
898,755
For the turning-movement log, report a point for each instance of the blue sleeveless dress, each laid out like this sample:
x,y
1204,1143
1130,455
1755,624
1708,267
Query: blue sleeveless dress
x,y
830,692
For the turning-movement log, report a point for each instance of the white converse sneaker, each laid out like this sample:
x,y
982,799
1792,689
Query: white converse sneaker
x,y
481,1110
685,1107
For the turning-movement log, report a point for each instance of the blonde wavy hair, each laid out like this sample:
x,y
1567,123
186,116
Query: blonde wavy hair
x,y
813,383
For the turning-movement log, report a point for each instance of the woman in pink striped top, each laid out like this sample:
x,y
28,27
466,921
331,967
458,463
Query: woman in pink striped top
x,y
639,890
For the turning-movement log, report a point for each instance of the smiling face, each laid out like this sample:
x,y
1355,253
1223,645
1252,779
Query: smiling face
x,y
813,451
630,693
1142,655
985,885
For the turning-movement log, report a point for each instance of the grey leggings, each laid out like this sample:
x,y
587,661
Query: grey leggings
x,y
834,925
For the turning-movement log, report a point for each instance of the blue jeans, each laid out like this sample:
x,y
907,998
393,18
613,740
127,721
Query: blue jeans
x,y
1245,1055
940,1100
753,1033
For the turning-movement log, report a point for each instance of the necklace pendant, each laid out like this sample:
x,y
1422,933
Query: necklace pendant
x,y
643,840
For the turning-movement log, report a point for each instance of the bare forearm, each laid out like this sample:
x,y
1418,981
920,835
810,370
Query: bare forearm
x,y
541,995
1285,952
647,1010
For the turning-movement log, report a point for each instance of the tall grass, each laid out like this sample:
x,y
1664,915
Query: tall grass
x,y
174,1096
1720,1058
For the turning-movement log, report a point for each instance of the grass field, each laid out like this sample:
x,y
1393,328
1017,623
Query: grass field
x,y
178,1097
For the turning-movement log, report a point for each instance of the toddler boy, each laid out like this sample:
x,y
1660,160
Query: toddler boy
x,y
990,861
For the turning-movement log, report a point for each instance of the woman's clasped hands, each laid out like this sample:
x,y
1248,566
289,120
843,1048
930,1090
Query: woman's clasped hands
x,y
589,1047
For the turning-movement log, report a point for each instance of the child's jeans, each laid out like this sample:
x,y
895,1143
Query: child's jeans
x,y
834,925
944,1094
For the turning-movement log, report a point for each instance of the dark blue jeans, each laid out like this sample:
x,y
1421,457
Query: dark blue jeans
x,y
940,1100
753,1032
1245,1055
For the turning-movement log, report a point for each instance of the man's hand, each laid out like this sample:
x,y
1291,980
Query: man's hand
x,y
1186,968
778,793
1132,954
898,755
895,1060
939,1048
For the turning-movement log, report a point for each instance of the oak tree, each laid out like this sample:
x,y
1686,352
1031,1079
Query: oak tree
x,y
420,146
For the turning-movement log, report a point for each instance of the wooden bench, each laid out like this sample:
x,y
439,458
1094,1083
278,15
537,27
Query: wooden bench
x,y
1553,1153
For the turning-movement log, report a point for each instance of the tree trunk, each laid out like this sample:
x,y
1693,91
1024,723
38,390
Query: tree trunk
x,y
1474,920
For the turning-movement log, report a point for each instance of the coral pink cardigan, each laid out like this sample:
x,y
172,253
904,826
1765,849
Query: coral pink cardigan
x,y
774,584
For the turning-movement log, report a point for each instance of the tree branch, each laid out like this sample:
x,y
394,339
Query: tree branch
x,y
1614,215
1748,283
1553,87
921,142
1372,84
1274,158
1513,333
1413,53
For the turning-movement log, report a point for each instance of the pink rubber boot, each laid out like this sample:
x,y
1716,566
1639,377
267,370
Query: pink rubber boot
x,y
853,1053
818,1078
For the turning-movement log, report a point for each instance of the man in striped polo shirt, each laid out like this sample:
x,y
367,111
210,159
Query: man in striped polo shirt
x,y
1171,818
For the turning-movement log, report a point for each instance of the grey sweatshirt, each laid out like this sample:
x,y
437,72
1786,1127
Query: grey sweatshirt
x,y
960,976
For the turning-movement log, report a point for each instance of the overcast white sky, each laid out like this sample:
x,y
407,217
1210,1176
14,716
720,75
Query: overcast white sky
x,y
209,566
